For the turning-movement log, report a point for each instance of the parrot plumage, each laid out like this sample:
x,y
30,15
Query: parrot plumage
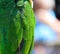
x,y
16,24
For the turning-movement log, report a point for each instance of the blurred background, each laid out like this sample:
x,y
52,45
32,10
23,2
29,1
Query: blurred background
x,y
42,47
57,10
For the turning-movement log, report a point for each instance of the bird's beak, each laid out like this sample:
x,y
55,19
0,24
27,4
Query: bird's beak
x,y
31,2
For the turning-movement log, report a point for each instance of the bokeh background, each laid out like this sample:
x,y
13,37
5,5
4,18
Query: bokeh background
x,y
41,47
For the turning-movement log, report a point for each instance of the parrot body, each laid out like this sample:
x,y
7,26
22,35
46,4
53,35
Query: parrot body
x,y
16,24
10,27
28,22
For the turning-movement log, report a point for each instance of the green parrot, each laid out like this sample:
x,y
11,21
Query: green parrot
x,y
17,23
28,24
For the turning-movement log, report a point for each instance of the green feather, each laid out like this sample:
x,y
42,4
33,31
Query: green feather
x,y
17,22
10,27
28,21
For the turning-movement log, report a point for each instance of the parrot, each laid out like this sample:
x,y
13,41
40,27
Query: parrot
x,y
28,21
17,23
